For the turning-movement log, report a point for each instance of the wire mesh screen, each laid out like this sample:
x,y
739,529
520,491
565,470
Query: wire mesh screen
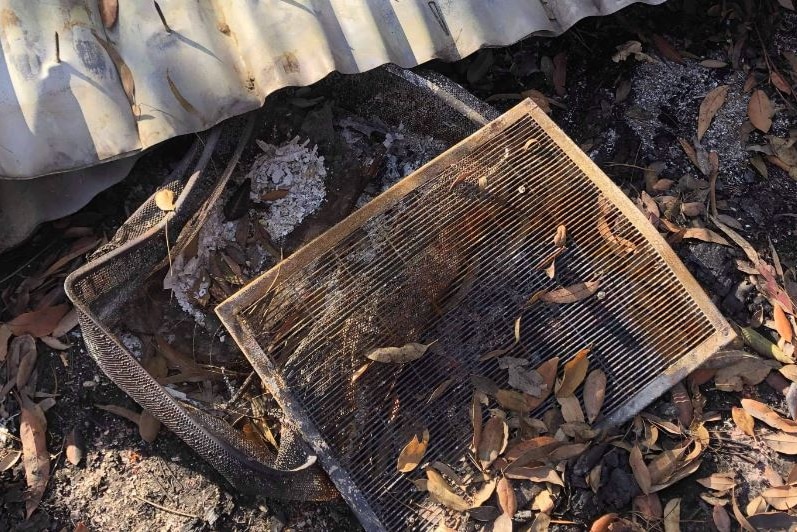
x,y
451,256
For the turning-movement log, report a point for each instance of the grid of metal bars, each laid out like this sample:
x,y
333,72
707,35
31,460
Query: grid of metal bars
x,y
449,256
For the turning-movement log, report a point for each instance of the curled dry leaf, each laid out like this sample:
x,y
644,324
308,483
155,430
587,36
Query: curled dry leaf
x,y
667,50
412,453
502,523
26,347
484,493
594,393
782,324
709,107
108,12
781,497
706,235
756,505
360,372
38,323
618,243
743,420
439,390
573,373
560,237
604,523
548,371
737,513
639,469
74,447
493,440
672,515
8,459
718,481
476,417
760,111
566,452
442,492
571,409
35,458
571,294
506,496
721,519
121,411
399,355
543,502
148,426
164,199
537,474
649,506
781,442
762,412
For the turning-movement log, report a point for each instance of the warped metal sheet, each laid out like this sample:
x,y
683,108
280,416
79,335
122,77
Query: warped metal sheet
x,y
64,106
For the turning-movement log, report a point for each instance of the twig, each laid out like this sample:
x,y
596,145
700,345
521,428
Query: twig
x,y
163,19
57,49
164,508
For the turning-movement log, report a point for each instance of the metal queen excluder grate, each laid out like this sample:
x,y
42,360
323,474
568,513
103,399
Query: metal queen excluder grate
x,y
449,254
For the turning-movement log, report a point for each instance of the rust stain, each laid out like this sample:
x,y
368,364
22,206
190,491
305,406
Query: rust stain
x,y
290,63
8,19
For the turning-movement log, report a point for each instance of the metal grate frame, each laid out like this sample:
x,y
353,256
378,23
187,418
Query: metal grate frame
x,y
441,256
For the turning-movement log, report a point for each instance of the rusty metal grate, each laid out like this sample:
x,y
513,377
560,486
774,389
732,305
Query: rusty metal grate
x,y
448,254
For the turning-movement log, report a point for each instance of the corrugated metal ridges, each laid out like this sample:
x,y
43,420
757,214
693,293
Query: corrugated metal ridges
x,y
220,59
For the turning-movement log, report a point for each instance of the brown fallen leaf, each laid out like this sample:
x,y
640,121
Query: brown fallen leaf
x,y
412,453
721,519
55,343
760,111
573,373
566,452
120,411
756,505
781,442
743,420
35,458
476,417
571,294
666,49
274,195
181,99
792,476
439,390
779,82
164,199
782,324
26,348
560,237
706,235
502,523
8,459
618,243
713,63
709,107
594,393
108,12
762,412
718,481
748,372
543,502
737,513
540,445
442,492
74,447
494,439
360,371
38,323
639,469
604,523
648,506
571,409
484,493
517,329
537,474
148,426
507,501
548,370
672,515
399,355
781,497
513,400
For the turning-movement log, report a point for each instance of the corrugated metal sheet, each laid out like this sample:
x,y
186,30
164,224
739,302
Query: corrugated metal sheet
x,y
67,109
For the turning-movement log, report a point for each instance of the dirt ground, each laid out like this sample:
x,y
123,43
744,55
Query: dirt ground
x,y
626,115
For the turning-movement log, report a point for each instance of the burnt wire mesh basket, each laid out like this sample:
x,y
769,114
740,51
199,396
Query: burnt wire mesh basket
x,y
448,256
106,288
